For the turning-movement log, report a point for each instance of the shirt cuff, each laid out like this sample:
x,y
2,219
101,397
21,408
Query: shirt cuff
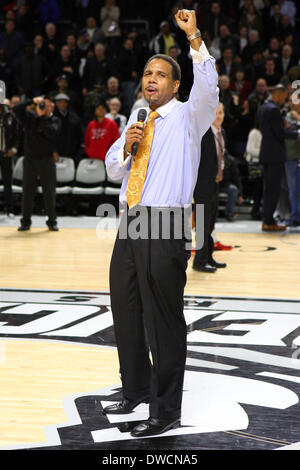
x,y
200,56
121,160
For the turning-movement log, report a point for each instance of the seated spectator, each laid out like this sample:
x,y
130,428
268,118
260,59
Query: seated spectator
x,y
39,47
285,7
140,49
226,39
251,18
97,69
52,42
162,42
275,21
63,86
241,126
90,35
100,134
84,9
287,27
114,105
67,65
254,44
69,136
76,53
12,43
113,91
287,60
31,71
230,102
270,75
242,39
260,94
273,51
48,10
24,21
213,20
110,15
241,86
128,73
256,68
186,64
226,64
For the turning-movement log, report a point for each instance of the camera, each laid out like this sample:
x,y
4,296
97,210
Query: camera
x,y
42,105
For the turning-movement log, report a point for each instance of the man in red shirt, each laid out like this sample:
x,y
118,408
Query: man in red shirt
x,y
100,134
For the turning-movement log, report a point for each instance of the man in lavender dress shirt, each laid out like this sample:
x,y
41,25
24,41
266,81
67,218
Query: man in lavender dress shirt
x,y
148,273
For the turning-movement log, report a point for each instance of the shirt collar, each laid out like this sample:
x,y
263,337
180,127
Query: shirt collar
x,y
165,109
215,129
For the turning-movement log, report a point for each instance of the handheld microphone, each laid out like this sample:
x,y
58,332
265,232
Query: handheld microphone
x,y
142,114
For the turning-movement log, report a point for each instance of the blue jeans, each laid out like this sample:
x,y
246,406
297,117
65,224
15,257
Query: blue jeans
x,y
292,171
232,191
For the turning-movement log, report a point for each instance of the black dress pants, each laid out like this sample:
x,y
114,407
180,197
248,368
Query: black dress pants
x,y
147,280
6,165
273,173
35,170
204,254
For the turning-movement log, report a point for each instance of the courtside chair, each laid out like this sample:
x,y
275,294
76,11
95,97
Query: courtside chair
x,y
90,177
65,175
113,187
17,186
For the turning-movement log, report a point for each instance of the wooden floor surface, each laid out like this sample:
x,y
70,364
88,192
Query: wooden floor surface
x,y
34,380
260,264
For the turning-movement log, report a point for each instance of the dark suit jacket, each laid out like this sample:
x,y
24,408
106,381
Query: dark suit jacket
x,y
271,125
208,167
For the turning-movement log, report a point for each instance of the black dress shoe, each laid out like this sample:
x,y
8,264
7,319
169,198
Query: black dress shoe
x,y
205,268
216,264
53,227
23,228
123,407
154,426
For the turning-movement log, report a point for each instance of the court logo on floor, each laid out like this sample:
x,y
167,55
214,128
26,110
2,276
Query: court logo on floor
x,y
241,385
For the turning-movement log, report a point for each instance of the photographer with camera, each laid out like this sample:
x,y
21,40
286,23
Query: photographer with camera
x,y
40,131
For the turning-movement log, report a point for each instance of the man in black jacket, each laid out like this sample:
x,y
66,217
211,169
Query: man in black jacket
x,y
40,130
273,153
8,148
206,192
70,133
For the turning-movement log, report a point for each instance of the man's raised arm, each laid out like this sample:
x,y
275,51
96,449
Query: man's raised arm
x,y
204,96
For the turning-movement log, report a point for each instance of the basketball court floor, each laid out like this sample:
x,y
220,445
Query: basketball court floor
x,y
58,359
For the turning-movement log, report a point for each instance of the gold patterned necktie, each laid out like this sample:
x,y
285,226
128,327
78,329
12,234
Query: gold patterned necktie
x,y
140,163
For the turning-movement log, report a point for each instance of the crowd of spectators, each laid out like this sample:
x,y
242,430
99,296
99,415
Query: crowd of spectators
x,y
85,52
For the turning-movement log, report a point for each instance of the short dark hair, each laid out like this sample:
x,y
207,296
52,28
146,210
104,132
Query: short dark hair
x,y
176,70
101,102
